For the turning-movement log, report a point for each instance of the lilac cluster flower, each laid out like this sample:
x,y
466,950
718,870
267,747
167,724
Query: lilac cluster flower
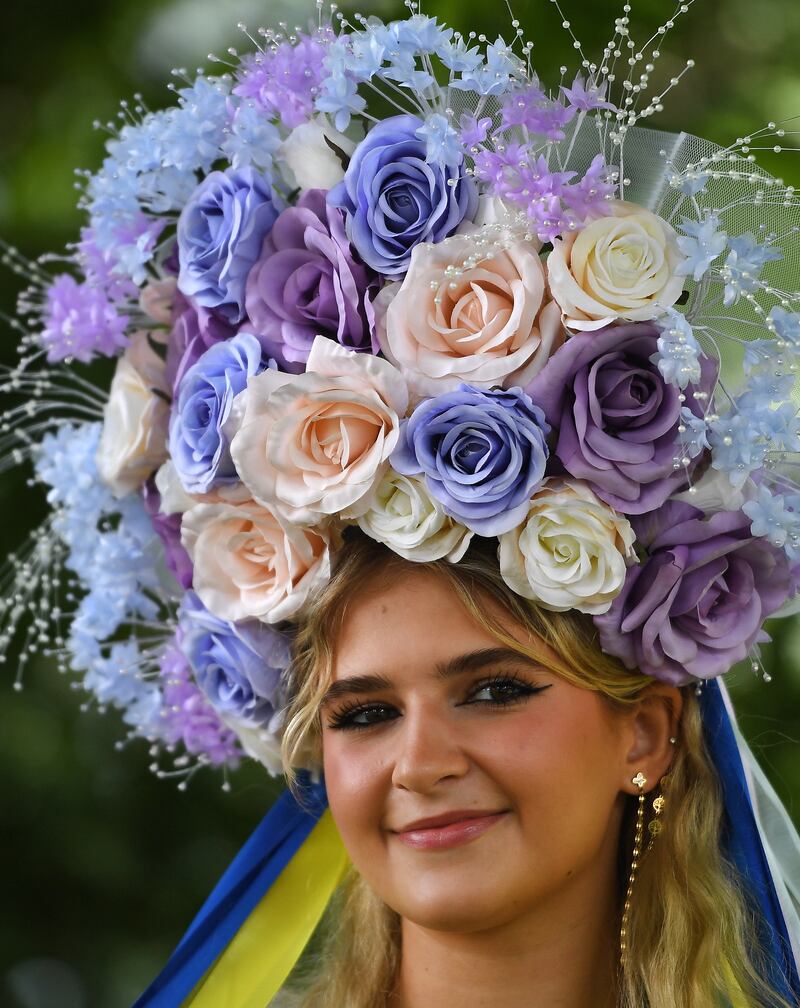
x,y
696,604
81,322
284,80
187,718
554,201
482,453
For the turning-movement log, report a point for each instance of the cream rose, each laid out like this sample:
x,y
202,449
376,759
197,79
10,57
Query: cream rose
x,y
493,324
618,267
315,444
133,442
156,299
307,153
248,564
411,523
571,552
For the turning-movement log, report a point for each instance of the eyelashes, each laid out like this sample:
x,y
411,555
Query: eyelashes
x,y
499,691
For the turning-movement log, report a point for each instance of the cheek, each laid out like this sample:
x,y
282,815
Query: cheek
x,y
354,780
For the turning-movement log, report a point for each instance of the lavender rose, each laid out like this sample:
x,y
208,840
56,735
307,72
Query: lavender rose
x,y
615,416
695,606
168,529
394,199
194,330
198,444
309,281
220,233
482,453
238,666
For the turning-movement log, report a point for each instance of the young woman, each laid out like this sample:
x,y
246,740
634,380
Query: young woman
x,y
485,763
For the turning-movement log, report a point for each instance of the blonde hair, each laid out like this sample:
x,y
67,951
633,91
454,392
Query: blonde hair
x,y
692,937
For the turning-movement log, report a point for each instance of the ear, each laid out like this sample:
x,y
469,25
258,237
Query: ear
x,y
653,722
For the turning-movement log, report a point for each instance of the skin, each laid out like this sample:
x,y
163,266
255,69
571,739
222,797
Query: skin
x,y
525,913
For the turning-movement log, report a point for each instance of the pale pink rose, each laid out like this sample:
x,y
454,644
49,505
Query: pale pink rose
x,y
133,442
315,444
492,324
175,500
156,300
248,564
622,266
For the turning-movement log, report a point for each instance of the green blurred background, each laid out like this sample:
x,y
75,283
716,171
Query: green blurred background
x,y
103,865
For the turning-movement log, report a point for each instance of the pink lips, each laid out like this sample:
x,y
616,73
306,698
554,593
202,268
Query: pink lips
x,y
448,831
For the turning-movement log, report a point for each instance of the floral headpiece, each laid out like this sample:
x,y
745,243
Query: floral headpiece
x,y
500,310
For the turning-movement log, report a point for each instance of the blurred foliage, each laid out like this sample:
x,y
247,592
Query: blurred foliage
x,y
102,864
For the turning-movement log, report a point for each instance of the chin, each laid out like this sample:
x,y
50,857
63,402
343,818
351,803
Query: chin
x,y
457,907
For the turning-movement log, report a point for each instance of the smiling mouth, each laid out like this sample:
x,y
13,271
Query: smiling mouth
x,y
448,831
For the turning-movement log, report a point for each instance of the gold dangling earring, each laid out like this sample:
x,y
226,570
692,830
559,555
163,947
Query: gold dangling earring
x,y
639,780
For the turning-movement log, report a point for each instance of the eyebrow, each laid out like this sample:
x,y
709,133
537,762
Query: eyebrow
x,y
472,661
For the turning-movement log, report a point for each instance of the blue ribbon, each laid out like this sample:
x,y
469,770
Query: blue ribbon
x,y
271,846
743,841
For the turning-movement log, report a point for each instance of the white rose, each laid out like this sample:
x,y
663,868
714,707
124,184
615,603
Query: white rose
x,y
618,267
315,444
309,157
715,492
261,744
411,523
492,324
571,552
250,565
133,442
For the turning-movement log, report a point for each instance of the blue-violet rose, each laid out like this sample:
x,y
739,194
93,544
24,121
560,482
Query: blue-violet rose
x,y
394,199
695,605
616,419
482,453
238,666
309,281
220,233
198,444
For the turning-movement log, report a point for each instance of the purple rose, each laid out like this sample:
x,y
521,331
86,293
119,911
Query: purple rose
x,y
220,234
198,444
696,604
615,416
308,282
238,666
194,330
168,529
394,199
483,454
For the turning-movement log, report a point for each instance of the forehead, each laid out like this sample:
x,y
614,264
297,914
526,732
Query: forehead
x,y
411,619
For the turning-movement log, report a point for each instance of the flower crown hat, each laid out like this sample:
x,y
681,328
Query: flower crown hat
x,y
503,310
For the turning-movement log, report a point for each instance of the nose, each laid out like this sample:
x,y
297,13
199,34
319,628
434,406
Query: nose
x,y
428,753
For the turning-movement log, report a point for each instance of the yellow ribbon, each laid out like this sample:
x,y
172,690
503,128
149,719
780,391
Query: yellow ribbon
x,y
256,963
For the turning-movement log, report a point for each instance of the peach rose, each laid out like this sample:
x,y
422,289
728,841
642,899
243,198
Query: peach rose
x,y
493,324
133,442
248,564
315,444
156,299
618,267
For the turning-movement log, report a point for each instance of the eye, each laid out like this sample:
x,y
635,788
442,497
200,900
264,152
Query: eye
x,y
362,716
501,691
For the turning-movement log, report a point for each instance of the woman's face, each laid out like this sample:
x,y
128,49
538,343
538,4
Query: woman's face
x,y
470,786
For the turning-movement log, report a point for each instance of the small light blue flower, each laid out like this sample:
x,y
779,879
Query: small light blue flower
x,y
701,244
